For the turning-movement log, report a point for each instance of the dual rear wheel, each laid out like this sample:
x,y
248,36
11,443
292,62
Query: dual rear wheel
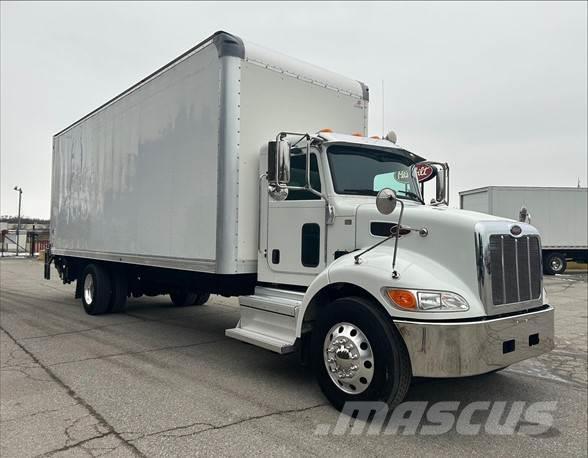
x,y
105,290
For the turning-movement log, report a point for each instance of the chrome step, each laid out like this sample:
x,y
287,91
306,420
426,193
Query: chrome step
x,y
261,340
268,319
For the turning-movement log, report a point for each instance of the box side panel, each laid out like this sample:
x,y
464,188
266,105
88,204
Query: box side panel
x,y
273,101
560,215
477,202
138,179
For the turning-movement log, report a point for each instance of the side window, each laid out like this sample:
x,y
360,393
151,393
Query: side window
x,y
298,177
311,244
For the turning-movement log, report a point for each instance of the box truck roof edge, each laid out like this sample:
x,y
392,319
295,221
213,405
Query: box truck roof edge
x,y
226,44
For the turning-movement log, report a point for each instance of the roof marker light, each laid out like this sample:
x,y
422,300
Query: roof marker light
x,y
327,130
357,134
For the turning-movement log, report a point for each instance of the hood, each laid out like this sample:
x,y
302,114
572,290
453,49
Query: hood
x,y
449,244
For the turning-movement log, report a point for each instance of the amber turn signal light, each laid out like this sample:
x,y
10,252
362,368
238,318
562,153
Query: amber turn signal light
x,y
402,298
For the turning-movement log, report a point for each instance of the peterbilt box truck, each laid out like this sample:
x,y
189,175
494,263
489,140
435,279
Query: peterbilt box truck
x,y
560,214
238,171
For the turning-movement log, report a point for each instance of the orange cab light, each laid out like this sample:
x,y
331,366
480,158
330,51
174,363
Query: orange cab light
x,y
357,134
402,298
376,137
327,130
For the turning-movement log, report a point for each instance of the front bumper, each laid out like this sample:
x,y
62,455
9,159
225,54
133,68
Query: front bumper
x,y
452,349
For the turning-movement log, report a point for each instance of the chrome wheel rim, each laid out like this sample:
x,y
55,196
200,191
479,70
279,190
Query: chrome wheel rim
x,y
89,289
349,358
556,264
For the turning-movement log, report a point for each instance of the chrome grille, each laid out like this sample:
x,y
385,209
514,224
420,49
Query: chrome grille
x,y
515,267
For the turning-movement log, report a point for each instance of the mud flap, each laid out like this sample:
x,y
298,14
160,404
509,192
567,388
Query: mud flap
x,y
48,259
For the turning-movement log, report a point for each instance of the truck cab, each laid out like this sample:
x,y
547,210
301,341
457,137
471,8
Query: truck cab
x,y
375,285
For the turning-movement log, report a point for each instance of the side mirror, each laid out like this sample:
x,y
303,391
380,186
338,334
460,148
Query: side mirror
x,y
278,163
524,215
441,186
441,175
386,201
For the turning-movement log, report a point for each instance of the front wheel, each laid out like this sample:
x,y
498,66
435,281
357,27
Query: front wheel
x,y
358,355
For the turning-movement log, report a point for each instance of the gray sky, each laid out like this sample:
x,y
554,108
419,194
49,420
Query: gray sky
x,y
498,90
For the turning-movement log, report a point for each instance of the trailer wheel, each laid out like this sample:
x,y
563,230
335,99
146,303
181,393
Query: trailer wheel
x,y
120,290
555,263
183,298
358,355
201,298
96,289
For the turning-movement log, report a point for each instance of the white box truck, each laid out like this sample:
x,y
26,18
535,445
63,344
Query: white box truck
x,y
560,215
222,173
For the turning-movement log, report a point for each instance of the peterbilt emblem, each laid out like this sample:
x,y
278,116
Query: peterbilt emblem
x,y
424,172
516,230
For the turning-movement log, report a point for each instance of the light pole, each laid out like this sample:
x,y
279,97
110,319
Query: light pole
x,y
16,188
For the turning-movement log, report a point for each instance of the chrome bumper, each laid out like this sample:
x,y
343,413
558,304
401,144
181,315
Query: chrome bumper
x,y
470,348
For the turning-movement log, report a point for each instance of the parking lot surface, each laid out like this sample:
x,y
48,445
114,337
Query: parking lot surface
x,y
165,381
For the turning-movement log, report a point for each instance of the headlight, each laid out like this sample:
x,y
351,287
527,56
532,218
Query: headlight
x,y
426,301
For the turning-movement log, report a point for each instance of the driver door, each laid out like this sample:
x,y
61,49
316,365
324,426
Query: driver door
x,y
296,240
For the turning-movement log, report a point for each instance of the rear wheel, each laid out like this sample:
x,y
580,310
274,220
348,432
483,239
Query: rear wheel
x,y
201,298
358,354
96,289
554,263
120,290
183,298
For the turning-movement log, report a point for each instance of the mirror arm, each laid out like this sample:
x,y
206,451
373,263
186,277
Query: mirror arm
x,y
396,235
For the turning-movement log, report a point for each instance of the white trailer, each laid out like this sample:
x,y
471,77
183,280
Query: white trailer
x,y
560,214
216,174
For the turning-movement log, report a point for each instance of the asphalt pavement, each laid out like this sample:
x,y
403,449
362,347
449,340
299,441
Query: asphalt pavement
x,y
165,381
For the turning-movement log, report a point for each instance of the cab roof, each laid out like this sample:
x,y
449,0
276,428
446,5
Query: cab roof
x,y
335,137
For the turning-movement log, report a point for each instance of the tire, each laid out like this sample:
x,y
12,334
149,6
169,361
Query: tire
x,y
384,372
554,263
96,289
120,290
183,298
201,299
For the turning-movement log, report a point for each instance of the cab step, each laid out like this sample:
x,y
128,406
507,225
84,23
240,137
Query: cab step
x,y
268,319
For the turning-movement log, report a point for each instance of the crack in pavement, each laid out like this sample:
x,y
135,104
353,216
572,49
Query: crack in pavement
x,y
76,444
76,397
217,427
26,374
79,331
138,352
41,412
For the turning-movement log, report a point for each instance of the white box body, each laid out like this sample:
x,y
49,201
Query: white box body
x,y
167,173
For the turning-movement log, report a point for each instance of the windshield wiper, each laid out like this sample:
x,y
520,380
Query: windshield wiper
x,y
411,194
361,192
371,192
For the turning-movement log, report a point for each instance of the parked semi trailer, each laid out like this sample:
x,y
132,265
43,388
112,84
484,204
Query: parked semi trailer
x,y
235,170
560,214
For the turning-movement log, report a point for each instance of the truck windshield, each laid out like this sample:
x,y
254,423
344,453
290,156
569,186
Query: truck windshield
x,y
365,171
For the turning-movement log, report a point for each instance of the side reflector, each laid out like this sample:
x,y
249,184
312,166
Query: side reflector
x,y
402,298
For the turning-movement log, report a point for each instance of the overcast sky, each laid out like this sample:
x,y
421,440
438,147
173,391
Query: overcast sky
x,y
498,90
